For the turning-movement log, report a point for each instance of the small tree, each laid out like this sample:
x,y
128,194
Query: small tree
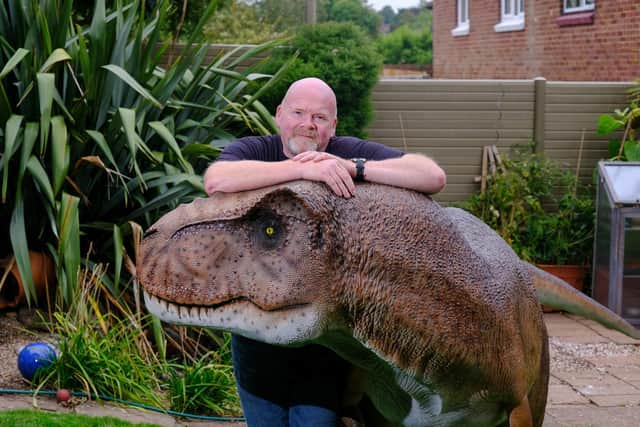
x,y
340,54
406,46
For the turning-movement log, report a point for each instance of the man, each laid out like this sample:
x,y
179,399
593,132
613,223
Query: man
x,y
302,386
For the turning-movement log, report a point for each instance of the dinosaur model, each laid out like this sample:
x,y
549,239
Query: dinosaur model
x,y
429,302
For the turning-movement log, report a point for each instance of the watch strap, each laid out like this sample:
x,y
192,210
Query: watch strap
x,y
359,162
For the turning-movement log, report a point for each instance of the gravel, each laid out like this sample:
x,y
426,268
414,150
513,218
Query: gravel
x,y
13,335
571,357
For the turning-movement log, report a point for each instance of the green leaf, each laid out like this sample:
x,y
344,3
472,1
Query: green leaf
x,y
29,140
129,80
12,129
118,255
40,175
127,116
15,59
614,148
45,97
59,153
69,245
608,124
58,55
632,150
99,139
167,136
19,244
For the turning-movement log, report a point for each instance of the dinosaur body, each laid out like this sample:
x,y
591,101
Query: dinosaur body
x,y
430,303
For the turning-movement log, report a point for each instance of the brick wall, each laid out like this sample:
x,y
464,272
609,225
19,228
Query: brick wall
x,y
608,49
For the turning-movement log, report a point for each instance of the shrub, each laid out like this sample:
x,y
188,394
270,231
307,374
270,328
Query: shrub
x,y
96,138
406,46
340,54
521,204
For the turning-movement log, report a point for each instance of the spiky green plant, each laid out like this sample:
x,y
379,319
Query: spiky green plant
x,y
206,386
96,136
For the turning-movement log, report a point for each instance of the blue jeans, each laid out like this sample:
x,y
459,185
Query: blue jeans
x,y
260,412
282,387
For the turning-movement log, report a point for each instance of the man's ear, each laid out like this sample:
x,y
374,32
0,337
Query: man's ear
x,y
335,126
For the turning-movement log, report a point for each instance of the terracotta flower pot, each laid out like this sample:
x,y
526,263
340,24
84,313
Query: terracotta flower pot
x,y
12,292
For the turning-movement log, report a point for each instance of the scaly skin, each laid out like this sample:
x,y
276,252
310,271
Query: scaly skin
x,y
431,304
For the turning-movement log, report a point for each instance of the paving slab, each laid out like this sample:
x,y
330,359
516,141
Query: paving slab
x,y
591,416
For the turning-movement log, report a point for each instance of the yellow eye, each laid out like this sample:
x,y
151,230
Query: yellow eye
x,y
270,231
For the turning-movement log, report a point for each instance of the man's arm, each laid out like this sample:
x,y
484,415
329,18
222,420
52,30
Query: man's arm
x,y
411,171
240,175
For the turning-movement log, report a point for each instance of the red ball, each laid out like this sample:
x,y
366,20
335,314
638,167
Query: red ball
x,y
63,395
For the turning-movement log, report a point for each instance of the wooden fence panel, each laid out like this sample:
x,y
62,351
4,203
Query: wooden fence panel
x,y
451,120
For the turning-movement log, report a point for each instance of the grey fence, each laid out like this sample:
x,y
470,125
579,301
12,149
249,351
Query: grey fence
x,y
452,120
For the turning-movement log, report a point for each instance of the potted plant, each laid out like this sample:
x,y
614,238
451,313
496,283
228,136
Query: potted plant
x,y
628,120
542,212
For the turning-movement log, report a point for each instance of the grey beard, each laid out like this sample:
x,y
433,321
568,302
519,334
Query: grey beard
x,y
297,146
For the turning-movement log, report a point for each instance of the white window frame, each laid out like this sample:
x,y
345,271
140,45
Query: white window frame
x,y
511,16
462,28
583,6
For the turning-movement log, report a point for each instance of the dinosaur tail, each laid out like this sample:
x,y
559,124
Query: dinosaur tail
x,y
556,293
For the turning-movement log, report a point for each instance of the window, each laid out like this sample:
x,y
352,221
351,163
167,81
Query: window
x,y
576,12
463,19
578,5
511,16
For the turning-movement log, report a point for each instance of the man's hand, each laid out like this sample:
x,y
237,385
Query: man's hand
x,y
329,169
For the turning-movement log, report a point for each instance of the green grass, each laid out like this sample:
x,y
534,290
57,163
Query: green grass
x,y
33,418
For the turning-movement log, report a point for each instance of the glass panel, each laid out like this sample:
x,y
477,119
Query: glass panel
x,y
624,181
631,269
602,261
507,7
568,4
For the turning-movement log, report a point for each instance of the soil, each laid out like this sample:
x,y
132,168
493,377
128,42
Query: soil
x,y
17,328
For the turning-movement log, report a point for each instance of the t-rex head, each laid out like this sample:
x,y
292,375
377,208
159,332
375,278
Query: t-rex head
x,y
253,263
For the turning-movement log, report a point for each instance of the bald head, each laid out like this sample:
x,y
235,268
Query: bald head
x,y
312,87
307,116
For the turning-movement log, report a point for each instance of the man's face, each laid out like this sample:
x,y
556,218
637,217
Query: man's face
x,y
306,122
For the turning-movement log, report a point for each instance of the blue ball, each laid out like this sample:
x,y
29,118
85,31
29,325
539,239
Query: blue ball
x,y
33,357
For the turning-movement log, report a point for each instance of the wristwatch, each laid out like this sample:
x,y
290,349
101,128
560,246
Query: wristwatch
x,y
359,161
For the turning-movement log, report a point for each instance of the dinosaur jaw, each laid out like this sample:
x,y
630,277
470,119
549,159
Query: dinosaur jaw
x,y
288,325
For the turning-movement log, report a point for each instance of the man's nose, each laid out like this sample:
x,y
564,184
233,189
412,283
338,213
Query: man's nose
x,y
307,121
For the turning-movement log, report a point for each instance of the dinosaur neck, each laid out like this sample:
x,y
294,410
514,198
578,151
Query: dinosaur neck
x,y
389,295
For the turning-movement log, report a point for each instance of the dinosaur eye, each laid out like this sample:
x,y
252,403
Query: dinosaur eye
x,y
268,230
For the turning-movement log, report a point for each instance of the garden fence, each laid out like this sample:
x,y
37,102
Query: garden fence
x,y
452,120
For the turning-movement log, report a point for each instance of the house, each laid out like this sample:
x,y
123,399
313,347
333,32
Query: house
x,y
568,40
